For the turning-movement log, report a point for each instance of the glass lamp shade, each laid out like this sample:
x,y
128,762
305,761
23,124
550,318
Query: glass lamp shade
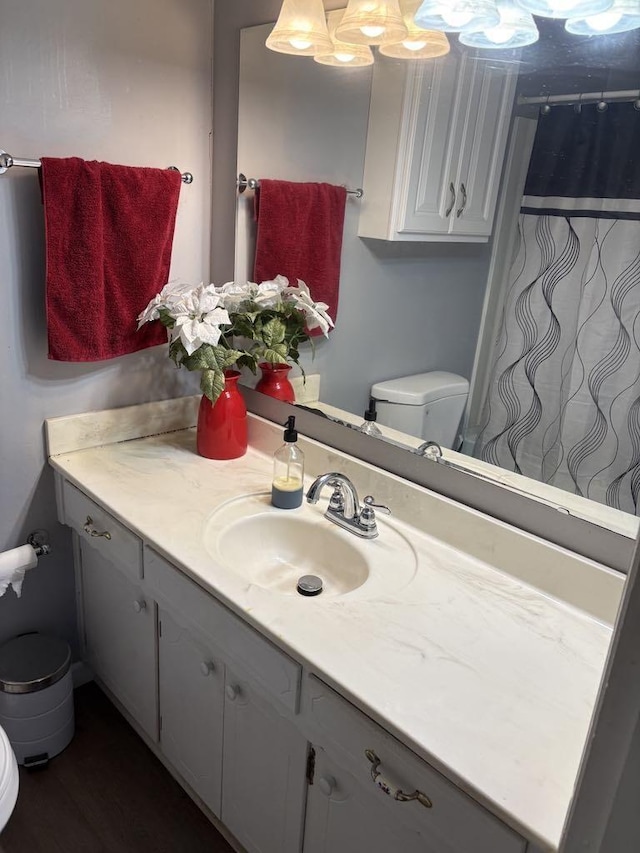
x,y
301,29
516,29
419,43
371,22
565,8
455,16
344,54
623,16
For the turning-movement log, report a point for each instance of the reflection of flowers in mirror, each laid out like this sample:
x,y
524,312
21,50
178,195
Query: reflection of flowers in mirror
x,y
205,322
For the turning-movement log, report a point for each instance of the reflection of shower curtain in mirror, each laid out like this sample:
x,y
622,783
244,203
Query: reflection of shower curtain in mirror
x,y
563,404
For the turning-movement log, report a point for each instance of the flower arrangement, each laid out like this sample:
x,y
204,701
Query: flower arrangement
x,y
205,322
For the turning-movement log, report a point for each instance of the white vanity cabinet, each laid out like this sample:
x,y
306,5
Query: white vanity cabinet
x,y
117,618
435,148
228,702
348,809
191,691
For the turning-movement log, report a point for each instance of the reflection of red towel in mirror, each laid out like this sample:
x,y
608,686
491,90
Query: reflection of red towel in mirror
x,y
300,228
109,234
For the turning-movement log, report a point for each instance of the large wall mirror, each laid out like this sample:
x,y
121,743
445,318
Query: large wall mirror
x,y
532,298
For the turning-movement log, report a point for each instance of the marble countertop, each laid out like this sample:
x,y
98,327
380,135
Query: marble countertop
x,y
486,677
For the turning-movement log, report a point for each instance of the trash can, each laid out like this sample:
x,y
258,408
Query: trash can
x,y
36,697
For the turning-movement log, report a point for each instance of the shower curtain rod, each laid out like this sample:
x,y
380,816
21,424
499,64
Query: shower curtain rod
x,y
7,161
583,97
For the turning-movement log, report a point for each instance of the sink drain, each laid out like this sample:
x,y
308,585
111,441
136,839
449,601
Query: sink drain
x,y
309,585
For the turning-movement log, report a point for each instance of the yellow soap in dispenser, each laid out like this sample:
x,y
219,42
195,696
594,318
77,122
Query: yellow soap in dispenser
x,y
288,470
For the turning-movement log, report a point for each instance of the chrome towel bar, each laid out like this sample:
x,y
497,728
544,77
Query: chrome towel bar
x,y
7,161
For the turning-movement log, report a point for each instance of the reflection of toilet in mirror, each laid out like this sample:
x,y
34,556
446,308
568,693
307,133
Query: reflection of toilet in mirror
x,y
426,405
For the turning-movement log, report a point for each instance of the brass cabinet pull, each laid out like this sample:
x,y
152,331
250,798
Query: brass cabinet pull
x,y
452,190
389,789
460,210
88,528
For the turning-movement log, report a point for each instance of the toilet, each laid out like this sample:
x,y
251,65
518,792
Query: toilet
x,y
426,405
8,780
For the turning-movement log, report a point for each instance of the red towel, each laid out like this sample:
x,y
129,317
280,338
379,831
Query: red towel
x,y
109,233
300,236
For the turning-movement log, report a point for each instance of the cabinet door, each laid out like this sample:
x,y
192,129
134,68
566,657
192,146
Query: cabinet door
x,y
263,772
430,149
191,709
484,99
344,817
119,633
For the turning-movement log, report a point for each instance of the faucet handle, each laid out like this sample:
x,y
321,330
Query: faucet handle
x,y
336,501
371,504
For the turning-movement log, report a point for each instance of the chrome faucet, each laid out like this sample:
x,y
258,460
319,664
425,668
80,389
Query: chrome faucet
x,y
344,505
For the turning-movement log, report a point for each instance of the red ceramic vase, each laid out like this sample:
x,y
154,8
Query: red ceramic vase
x,y
275,382
222,426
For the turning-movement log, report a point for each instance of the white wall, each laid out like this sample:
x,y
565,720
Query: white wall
x,y
126,81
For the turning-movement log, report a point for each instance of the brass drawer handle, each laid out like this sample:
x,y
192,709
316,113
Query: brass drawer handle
x,y
88,528
388,789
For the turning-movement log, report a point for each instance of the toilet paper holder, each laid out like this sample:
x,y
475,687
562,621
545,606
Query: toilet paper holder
x,y
39,541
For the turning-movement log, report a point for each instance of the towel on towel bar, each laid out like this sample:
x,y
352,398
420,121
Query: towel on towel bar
x,y
299,235
109,234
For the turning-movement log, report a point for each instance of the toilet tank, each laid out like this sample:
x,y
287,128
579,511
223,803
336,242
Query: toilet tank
x,y
426,405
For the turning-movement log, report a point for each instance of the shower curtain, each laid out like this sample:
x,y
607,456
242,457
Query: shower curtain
x,y
563,403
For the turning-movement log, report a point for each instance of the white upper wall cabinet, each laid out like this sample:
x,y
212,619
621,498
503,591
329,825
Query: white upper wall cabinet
x,y
435,148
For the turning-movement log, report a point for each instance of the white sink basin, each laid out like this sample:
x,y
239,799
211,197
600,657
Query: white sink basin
x,y
272,548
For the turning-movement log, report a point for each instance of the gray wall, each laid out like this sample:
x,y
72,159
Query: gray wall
x,y
128,81
404,308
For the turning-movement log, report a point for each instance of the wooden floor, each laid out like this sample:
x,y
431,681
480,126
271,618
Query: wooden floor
x,y
106,793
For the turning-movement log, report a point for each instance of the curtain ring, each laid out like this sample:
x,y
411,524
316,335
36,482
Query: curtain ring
x,y
636,103
545,109
602,106
577,108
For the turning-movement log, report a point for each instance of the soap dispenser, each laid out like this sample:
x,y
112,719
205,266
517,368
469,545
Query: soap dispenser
x,y
288,470
370,427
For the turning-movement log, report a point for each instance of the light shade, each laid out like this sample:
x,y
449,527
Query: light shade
x,y
419,43
371,22
301,29
565,8
455,16
624,15
516,29
344,54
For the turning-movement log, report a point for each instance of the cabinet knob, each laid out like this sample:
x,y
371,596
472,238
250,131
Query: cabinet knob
x,y
206,667
327,785
232,692
139,605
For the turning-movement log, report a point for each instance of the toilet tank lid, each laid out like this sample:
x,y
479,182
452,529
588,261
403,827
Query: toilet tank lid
x,y
421,388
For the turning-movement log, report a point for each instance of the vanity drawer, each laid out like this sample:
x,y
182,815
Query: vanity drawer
x,y
454,822
271,668
113,540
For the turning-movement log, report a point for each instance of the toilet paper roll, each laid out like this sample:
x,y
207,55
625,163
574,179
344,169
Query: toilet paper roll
x,y
13,565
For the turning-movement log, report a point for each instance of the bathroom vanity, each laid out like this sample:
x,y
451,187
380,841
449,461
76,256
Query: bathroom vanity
x,y
436,665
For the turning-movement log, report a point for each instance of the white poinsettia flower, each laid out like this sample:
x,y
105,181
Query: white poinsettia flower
x,y
270,293
233,294
204,329
171,293
316,313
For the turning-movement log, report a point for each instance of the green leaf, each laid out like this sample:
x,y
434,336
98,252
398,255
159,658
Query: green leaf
x,y
209,357
212,384
273,332
276,354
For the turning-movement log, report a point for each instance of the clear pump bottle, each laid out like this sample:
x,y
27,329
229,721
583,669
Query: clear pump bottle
x,y
370,427
288,470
